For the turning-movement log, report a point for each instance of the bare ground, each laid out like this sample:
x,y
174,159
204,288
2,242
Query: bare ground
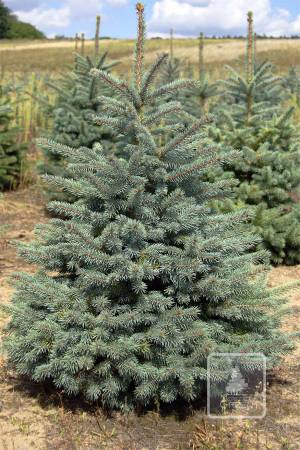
x,y
38,418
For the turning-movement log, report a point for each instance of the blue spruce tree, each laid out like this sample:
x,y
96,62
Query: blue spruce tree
x,y
140,280
195,100
77,98
291,84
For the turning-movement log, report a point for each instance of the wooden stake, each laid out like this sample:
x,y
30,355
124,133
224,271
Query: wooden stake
x,y
201,57
97,35
171,44
82,43
250,62
76,42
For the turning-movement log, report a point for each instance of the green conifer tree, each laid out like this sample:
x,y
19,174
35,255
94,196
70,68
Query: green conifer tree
x,y
11,150
141,280
254,121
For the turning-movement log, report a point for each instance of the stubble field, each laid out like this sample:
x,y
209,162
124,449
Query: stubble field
x,y
54,56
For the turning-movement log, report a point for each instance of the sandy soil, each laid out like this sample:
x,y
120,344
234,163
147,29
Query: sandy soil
x,y
37,418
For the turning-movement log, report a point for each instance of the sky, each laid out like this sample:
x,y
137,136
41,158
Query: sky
x,y
186,17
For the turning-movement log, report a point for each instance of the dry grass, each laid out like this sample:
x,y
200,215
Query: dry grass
x,y
54,56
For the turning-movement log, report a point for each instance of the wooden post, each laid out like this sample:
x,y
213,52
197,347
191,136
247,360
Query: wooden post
x,y
82,43
201,57
97,35
76,42
250,63
171,45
